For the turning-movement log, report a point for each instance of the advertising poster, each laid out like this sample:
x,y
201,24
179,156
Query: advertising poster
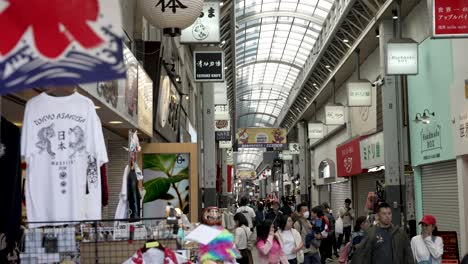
x,y
261,137
166,181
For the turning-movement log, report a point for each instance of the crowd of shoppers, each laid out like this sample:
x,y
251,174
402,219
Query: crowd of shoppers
x,y
288,234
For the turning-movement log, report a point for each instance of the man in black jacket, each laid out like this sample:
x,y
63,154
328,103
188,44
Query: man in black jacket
x,y
384,243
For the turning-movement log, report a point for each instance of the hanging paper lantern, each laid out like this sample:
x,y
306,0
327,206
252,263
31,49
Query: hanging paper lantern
x,y
171,15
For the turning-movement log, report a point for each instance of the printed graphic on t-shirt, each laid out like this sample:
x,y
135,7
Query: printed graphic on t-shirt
x,y
63,145
44,135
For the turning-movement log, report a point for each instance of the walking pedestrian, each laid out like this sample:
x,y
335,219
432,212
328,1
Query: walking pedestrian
x,y
241,238
358,234
319,232
260,214
269,245
428,247
274,214
347,215
330,243
384,243
292,241
304,227
248,212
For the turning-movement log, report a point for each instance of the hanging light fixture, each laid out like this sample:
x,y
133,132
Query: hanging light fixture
x,y
171,15
425,117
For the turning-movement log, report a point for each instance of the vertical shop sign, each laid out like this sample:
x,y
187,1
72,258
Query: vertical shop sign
x,y
67,48
451,252
450,18
145,102
431,141
316,130
208,66
372,151
402,58
348,158
206,28
334,115
359,94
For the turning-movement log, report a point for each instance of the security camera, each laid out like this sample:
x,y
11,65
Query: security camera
x,y
378,82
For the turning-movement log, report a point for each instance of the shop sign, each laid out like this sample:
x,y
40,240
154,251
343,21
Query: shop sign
x,y
206,28
261,137
431,141
208,66
286,155
364,118
229,156
221,112
334,115
294,148
168,108
222,135
451,251
450,18
402,58
372,151
246,174
145,102
359,94
348,158
59,51
316,130
121,96
225,144
223,125
220,94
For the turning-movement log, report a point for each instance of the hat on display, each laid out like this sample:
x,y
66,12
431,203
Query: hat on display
x,y
428,220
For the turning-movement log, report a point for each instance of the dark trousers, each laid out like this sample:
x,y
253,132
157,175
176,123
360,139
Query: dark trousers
x,y
312,258
326,249
292,261
346,234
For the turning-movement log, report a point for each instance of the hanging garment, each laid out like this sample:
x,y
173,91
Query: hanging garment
x,y
63,144
133,195
122,207
104,186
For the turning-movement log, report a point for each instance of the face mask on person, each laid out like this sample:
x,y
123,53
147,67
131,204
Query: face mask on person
x,y
306,214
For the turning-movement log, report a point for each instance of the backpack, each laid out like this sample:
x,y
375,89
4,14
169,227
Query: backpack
x,y
345,253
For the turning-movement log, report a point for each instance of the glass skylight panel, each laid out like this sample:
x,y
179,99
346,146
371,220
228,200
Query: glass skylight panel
x,y
266,42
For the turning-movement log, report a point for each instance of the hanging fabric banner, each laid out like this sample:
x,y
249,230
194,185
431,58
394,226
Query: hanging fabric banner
x,y
59,43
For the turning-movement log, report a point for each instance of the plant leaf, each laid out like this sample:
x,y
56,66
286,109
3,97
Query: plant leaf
x,y
177,178
153,162
156,188
184,172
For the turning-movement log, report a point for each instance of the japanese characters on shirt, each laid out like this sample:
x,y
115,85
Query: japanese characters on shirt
x,y
63,144
450,18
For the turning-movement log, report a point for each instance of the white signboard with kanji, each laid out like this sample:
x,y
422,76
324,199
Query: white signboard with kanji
x,y
206,28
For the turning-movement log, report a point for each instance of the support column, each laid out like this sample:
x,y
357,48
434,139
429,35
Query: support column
x,y
393,130
209,146
418,196
303,171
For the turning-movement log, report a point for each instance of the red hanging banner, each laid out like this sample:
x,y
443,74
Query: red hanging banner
x,y
348,158
450,18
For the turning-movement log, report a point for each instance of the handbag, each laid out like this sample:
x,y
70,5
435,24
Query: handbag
x,y
299,254
339,226
250,244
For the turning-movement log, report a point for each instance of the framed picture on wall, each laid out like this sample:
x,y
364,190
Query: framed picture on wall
x,y
170,179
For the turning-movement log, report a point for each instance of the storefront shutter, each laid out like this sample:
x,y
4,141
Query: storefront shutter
x,y
339,193
324,194
440,194
363,184
118,158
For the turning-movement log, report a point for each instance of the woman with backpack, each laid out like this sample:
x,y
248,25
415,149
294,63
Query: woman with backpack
x,y
269,245
428,247
241,238
292,240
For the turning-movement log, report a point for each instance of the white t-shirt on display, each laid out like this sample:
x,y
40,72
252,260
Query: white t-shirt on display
x,y
63,145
